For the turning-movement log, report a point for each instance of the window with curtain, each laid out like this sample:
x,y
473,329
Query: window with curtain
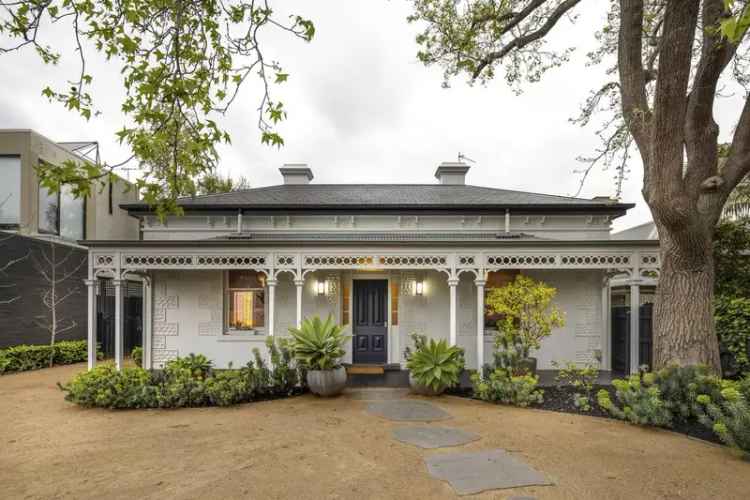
x,y
244,300
10,190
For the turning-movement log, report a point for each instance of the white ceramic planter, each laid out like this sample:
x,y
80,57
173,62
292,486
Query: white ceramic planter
x,y
423,390
327,383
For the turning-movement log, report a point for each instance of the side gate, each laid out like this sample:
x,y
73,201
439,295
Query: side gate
x,y
132,317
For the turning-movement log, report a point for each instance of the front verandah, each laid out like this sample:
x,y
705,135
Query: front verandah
x,y
448,285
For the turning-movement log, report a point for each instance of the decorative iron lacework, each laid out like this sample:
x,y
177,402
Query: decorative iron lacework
x,y
521,260
104,260
338,260
650,260
285,260
559,261
466,260
595,260
204,261
413,260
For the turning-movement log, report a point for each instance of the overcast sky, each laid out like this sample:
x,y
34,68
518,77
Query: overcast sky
x,y
362,109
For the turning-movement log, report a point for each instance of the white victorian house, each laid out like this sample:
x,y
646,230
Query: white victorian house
x,y
384,259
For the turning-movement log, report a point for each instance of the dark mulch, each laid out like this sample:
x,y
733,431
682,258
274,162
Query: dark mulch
x,y
560,399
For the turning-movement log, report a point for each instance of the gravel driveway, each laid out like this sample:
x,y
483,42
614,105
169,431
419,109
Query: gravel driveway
x,y
306,447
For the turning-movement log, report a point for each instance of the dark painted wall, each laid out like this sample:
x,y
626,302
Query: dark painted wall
x,y
23,284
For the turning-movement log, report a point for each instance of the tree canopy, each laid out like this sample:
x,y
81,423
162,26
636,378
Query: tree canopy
x,y
183,63
668,61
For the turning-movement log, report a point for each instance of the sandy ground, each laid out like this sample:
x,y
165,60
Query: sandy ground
x,y
306,447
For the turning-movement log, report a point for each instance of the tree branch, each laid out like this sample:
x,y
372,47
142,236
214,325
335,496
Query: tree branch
x,y
522,41
665,186
701,131
635,107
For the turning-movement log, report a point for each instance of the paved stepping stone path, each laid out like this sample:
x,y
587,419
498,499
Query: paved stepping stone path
x,y
407,410
433,437
468,473
471,473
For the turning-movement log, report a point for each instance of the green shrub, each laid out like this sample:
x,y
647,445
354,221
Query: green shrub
x,y
32,357
284,375
640,401
581,379
732,316
529,315
197,365
318,345
228,387
106,387
680,385
186,382
437,365
500,386
137,355
419,340
729,417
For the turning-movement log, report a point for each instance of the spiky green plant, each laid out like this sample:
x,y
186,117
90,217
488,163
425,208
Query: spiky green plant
x,y
318,345
436,364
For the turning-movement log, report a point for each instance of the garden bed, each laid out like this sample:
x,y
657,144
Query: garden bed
x,y
560,399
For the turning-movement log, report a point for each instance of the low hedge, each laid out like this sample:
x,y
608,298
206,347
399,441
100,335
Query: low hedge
x,y
32,357
683,394
188,382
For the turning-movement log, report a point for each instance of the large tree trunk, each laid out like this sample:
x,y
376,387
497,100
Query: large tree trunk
x,y
684,331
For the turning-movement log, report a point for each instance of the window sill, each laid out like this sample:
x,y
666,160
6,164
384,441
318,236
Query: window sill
x,y
242,337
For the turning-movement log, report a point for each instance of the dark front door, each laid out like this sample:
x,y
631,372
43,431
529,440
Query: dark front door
x,y
370,321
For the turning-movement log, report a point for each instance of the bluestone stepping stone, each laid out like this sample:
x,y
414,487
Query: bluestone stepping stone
x,y
433,437
407,410
471,473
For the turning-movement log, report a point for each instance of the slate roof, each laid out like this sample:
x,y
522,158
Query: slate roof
x,y
383,196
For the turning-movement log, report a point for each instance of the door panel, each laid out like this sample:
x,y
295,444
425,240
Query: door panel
x,y
370,321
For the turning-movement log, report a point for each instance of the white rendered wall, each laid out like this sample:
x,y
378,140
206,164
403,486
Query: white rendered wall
x,y
188,315
563,227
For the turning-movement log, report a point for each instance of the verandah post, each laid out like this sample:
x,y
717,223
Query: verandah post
x,y
480,324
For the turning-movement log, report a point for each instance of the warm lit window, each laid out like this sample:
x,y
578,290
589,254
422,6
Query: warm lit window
x,y
245,300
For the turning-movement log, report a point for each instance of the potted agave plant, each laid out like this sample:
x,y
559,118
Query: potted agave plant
x,y
319,346
433,366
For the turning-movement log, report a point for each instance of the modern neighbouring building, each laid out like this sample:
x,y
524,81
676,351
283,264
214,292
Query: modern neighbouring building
x,y
39,228
384,259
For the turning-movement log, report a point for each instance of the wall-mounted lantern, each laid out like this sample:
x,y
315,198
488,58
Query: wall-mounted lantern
x,y
419,287
321,287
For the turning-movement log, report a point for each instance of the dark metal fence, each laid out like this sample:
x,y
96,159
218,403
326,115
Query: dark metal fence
x,y
132,316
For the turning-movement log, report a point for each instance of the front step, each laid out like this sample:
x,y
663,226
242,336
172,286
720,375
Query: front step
x,y
365,369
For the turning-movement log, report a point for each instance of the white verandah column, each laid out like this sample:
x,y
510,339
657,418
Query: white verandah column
x,y
452,283
480,323
91,284
299,283
147,311
271,304
119,284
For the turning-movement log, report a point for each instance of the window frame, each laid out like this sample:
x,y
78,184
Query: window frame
x,y
225,294
58,195
16,224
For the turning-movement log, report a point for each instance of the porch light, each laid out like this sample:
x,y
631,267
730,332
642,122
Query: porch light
x,y
419,287
320,287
